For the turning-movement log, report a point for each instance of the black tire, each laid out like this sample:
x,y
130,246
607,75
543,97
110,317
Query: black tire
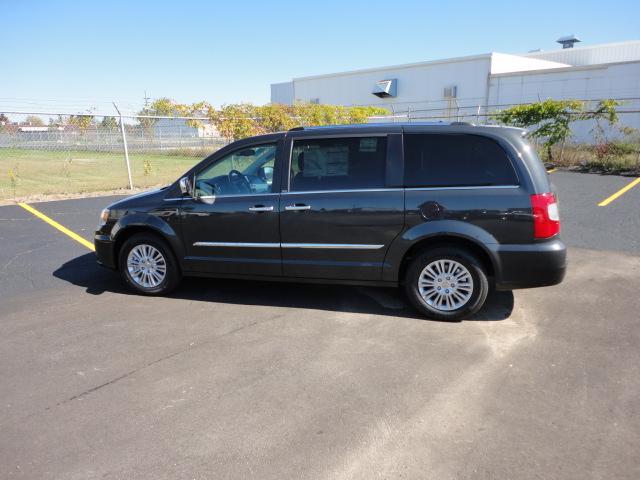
x,y
172,276
479,290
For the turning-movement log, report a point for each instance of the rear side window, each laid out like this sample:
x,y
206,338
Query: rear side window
x,y
338,163
436,160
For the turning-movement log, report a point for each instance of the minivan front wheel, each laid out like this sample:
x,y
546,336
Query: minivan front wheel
x,y
147,265
446,283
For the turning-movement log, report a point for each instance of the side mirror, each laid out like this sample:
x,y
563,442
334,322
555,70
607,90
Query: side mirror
x,y
185,186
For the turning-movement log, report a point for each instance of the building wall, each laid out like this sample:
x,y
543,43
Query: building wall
x,y
484,83
418,85
282,93
618,81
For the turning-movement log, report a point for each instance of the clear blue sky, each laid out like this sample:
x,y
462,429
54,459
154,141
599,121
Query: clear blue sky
x,y
67,55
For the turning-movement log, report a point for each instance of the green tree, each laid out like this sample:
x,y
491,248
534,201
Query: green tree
x,y
276,117
34,121
198,109
4,122
362,114
550,118
109,123
236,121
146,123
163,106
309,114
240,120
82,122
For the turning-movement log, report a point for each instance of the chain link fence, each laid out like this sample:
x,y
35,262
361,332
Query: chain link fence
x,y
43,154
593,145
63,154
474,110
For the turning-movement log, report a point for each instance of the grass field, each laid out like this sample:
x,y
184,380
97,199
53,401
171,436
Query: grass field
x,y
39,172
25,173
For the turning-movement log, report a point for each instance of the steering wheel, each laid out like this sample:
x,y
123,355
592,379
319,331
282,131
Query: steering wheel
x,y
239,181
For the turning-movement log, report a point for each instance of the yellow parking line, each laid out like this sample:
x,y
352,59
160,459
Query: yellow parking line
x,y
620,192
552,170
56,225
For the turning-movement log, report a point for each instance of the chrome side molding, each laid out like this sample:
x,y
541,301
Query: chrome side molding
x,y
329,246
470,187
236,244
333,246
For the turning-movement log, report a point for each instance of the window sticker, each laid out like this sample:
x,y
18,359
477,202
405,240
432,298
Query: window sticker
x,y
326,162
368,144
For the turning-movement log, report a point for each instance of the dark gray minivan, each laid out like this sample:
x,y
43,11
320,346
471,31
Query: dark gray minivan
x,y
446,210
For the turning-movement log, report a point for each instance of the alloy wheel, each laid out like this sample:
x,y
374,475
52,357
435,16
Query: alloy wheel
x,y
445,285
146,265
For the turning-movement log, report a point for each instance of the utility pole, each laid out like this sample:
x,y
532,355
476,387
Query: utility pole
x,y
146,100
124,143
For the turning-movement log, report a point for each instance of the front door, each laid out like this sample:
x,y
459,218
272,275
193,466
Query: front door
x,y
230,225
338,217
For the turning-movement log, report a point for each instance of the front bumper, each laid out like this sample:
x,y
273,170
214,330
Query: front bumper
x,y
531,265
104,250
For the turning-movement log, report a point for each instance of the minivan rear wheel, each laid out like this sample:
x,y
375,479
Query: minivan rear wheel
x,y
147,265
446,283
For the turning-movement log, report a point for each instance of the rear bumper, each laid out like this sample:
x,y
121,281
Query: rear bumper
x,y
104,250
532,265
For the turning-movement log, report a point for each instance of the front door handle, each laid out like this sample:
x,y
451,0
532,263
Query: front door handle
x,y
261,208
294,208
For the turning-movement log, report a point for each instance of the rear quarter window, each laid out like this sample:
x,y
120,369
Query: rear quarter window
x,y
455,160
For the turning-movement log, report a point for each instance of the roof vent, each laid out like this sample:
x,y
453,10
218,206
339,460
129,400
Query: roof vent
x,y
569,41
386,88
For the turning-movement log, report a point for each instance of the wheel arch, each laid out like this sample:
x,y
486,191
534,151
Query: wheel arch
x,y
126,232
448,240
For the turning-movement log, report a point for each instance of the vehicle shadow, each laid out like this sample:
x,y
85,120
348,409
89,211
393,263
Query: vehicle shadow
x,y
83,271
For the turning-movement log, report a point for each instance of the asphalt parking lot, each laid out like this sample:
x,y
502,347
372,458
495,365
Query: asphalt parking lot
x,y
231,379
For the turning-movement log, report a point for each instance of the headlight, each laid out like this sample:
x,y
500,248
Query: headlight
x,y
104,216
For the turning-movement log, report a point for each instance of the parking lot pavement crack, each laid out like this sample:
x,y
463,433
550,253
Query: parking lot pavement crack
x,y
121,377
244,327
166,357
25,252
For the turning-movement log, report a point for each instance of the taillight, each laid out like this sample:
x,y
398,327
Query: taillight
x,y
546,218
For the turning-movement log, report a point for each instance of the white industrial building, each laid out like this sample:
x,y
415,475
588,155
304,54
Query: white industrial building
x,y
466,88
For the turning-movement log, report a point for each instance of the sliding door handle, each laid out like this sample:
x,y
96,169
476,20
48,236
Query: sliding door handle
x,y
294,208
261,208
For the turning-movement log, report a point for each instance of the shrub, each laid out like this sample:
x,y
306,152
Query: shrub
x,y
241,120
550,118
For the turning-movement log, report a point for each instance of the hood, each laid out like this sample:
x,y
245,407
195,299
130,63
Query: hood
x,y
150,197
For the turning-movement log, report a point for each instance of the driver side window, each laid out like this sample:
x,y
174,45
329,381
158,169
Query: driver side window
x,y
245,171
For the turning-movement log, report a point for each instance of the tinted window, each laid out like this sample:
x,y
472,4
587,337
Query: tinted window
x,y
433,160
245,171
338,163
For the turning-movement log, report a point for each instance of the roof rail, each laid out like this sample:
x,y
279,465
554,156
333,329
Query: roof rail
x,y
373,125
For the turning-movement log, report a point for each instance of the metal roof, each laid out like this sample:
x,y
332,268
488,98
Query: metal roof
x,y
584,55
592,55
